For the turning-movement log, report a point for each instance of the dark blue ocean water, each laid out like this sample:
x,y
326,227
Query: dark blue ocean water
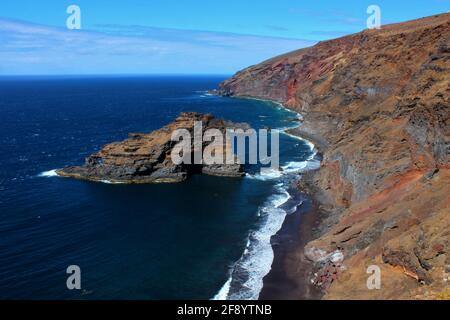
x,y
174,241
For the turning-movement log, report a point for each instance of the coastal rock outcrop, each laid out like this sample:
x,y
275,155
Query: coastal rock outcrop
x,y
377,105
147,157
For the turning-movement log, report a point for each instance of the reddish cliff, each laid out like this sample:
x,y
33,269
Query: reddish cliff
x,y
377,105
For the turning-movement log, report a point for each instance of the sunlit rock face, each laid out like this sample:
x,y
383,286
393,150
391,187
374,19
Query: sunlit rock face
x,y
377,105
147,157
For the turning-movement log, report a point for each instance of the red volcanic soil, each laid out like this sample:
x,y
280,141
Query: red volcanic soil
x,y
377,105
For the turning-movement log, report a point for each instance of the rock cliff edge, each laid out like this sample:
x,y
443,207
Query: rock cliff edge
x,y
377,105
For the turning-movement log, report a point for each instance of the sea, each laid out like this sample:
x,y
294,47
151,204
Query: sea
x,y
205,238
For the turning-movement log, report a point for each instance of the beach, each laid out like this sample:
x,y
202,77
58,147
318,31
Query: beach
x,y
289,278
291,272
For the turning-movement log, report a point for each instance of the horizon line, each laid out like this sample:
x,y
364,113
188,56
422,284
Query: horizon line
x,y
113,74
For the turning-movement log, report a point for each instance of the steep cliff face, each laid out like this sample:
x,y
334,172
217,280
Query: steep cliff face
x,y
377,105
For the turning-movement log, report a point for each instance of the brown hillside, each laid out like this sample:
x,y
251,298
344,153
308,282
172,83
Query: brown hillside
x,y
377,105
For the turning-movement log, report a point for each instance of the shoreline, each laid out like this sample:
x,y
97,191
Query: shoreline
x,y
384,172
290,274
290,223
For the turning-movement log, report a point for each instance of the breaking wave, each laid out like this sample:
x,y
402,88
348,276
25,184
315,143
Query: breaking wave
x,y
48,174
245,281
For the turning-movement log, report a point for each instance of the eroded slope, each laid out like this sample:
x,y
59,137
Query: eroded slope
x,y
377,105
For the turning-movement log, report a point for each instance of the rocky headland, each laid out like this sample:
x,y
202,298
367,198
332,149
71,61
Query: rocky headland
x,y
377,105
146,157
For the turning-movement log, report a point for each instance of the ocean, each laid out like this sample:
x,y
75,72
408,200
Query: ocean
x,y
205,238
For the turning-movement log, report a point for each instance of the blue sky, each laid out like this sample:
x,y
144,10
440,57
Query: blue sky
x,y
182,36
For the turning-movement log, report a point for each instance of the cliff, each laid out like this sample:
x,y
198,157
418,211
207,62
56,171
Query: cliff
x,y
147,157
376,104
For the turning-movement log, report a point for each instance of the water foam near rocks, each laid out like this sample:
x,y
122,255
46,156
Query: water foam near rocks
x,y
246,275
246,279
49,173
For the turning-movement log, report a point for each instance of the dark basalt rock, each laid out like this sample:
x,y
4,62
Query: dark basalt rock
x,y
146,157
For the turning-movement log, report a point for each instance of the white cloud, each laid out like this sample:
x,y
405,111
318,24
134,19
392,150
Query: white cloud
x,y
35,49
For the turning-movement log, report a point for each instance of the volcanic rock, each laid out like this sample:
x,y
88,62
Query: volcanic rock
x,y
146,157
377,105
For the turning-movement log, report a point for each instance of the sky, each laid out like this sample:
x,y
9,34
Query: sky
x,y
178,36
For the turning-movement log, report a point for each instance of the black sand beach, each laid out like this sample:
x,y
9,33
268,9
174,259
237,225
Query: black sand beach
x,y
289,278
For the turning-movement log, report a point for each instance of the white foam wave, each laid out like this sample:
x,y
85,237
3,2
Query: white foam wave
x,y
110,182
301,166
246,246
48,174
294,166
223,292
296,125
257,260
204,94
53,173
307,142
266,174
281,199
289,168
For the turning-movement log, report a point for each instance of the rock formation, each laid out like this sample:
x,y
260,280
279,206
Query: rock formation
x,y
376,104
146,157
